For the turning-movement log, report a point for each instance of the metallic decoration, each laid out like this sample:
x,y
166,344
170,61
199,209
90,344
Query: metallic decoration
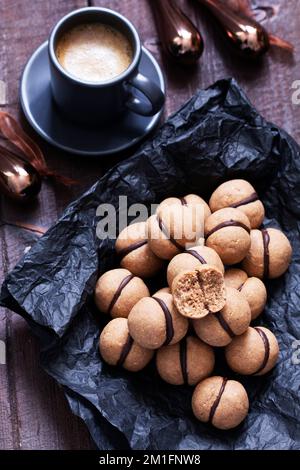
x,y
18,179
246,35
179,36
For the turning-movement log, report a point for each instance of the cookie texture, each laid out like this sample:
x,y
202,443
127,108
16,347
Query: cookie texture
x,y
117,347
176,225
253,353
186,362
269,255
219,329
235,277
227,231
255,293
155,321
117,291
252,288
201,291
239,194
221,402
191,259
190,200
134,253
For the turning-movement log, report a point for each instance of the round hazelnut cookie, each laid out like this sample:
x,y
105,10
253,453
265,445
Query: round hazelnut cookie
x,y
255,352
189,200
221,402
269,255
160,241
175,227
117,347
219,329
117,291
155,321
252,288
195,200
191,259
239,194
134,252
201,291
227,231
235,278
255,293
186,362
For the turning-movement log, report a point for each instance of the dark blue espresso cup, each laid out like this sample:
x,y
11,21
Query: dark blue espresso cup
x,y
93,103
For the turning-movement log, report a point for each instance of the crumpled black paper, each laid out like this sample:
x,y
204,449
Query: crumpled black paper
x,y
217,135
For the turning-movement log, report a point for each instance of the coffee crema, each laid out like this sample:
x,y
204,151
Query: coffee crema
x,y
94,52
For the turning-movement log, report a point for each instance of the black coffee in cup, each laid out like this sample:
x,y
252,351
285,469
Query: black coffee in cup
x,y
94,52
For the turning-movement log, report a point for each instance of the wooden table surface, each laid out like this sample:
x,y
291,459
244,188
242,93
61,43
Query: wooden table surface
x,y
33,411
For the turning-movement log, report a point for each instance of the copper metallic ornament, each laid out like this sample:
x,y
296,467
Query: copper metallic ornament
x,y
18,179
22,162
247,36
179,36
260,13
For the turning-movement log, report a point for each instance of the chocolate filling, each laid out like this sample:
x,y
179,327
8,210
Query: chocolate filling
x,y
247,200
118,292
263,336
196,255
165,232
241,287
183,201
130,248
266,242
228,223
224,324
125,350
183,360
169,321
217,401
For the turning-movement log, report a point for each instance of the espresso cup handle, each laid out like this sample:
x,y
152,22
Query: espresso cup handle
x,y
155,96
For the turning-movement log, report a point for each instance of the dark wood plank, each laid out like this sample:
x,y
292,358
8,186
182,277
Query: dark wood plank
x,y
33,412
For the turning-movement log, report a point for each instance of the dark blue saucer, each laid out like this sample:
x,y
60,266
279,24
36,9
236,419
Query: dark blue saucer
x,y
45,118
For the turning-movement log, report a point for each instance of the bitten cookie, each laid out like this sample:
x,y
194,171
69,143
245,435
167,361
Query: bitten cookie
x,y
239,194
227,231
253,353
134,252
192,259
252,288
269,255
199,292
117,347
186,362
117,291
223,403
155,321
219,329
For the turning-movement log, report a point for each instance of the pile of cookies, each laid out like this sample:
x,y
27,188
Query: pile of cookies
x,y
215,267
